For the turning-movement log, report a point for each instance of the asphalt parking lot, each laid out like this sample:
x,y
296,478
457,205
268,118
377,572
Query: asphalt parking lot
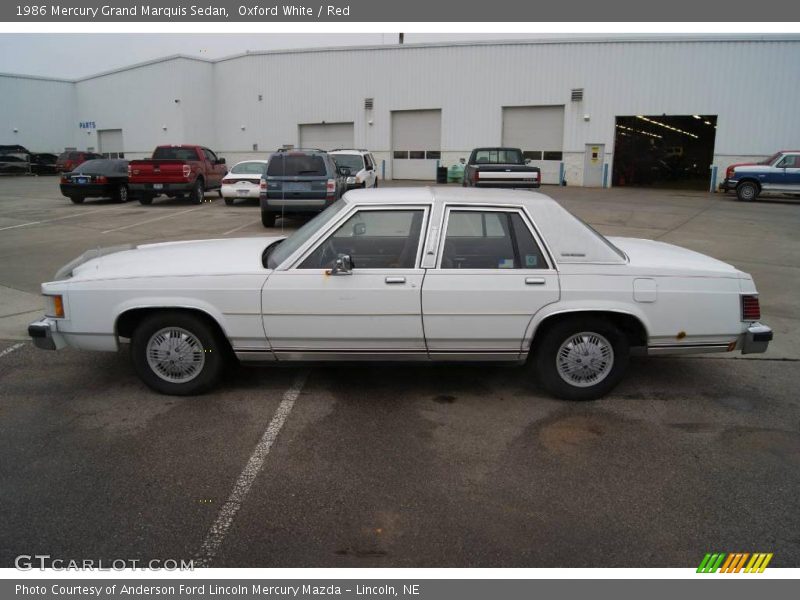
x,y
399,466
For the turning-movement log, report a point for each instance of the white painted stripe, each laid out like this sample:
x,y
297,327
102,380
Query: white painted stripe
x,y
161,218
216,534
11,349
241,227
80,214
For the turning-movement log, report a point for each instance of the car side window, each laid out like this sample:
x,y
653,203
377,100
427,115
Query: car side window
x,y
490,240
210,155
374,239
789,162
368,162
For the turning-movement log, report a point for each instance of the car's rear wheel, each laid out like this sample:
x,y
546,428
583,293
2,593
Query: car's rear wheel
x,y
267,218
581,358
229,201
177,353
121,194
145,200
76,199
198,192
747,191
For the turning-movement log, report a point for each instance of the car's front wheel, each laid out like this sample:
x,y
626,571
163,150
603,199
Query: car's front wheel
x,y
581,358
747,191
177,353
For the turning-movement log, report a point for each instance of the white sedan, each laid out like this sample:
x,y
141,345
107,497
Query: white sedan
x,y
243,181
407,274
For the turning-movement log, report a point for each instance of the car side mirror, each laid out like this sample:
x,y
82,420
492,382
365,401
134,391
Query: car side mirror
x,y
220,161
527,161
462,161
342,266
359,229
344,171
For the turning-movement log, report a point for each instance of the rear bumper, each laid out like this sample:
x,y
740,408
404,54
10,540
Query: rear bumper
x,y
294,205
45,335
756,339
519,185
90,190
151,188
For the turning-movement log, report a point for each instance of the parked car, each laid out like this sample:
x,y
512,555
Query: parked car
x,y
780,173
243,181
43,163
70,159
176,172
98,178
500,167
300,181
362,165
494,275
14,164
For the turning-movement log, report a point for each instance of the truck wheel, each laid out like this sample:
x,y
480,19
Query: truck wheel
x,y
268,218
177,353
121,194
76,199
581,358
145,200
198,192
747,191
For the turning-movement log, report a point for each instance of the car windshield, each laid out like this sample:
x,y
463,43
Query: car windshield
x,y
770,160
296,165
249,168
288,246
354,162
499,156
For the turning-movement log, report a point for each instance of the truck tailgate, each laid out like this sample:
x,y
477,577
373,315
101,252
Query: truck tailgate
x,y
158,171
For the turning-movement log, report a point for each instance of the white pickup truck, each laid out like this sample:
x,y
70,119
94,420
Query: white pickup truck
x,y
425,274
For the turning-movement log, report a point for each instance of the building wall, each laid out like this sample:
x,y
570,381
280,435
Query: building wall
x,y
41,110
220,107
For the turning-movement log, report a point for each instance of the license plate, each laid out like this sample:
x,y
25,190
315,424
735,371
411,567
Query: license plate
x,y
296,186
81,180
158,186
243,192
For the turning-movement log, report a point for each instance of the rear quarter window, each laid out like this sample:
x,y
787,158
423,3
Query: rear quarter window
x,y
175,154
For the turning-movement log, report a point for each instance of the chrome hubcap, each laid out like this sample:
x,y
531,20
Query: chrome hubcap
x,y
585,359
175,355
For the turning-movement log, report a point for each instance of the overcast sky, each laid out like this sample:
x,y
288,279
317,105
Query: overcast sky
x,y
71,56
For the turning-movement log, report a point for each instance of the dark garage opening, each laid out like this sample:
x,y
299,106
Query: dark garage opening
x,y
665,151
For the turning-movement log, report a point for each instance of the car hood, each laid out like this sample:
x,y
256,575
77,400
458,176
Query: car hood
x,y
197,257
661,258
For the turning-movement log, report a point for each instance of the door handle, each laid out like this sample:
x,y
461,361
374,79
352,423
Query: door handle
x,y
535,281
395,280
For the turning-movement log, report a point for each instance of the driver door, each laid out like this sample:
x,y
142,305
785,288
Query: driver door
x,y
310,312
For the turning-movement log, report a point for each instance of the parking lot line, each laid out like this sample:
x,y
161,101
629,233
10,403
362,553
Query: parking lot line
x,y
89,212
216,534
11,349
241,227
161,218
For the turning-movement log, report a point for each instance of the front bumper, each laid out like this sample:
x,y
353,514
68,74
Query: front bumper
x,y
756,339
45,334
728,185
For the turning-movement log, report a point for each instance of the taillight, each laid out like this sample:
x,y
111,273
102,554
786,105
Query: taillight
x,y
262,187
187,170
227,181
129,171
751,309
330,188
475,176
64,179
101,179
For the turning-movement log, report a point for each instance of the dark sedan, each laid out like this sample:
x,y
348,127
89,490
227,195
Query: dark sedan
x,y
102,178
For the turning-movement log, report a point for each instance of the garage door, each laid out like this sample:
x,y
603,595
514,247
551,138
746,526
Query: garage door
x,y
326,136
109,142
416,143
539,132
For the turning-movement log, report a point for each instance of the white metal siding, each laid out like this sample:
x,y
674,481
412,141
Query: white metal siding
x,y
42,112
326,136
534,127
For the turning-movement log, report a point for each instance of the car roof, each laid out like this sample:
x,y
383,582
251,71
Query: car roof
x,y
569,238
253,160
347,151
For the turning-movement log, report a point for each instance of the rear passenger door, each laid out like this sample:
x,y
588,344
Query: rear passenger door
x,y
492,276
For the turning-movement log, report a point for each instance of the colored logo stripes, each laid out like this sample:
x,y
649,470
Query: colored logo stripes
x,y
734,562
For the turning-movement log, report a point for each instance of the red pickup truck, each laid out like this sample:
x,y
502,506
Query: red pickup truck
x,y
176,171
